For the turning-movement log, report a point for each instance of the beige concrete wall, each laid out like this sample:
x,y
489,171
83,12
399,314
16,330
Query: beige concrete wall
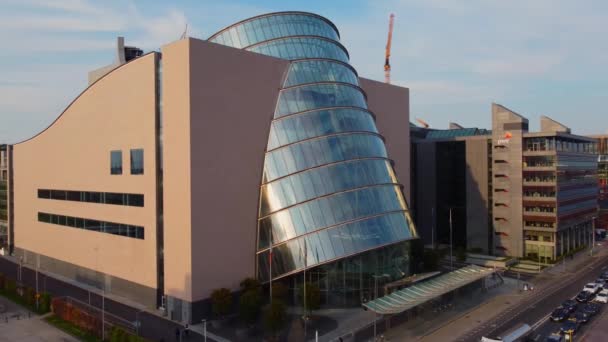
x,y
391,105
115,113
176,169
220,132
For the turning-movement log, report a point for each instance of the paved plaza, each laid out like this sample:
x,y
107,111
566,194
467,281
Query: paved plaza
x,y
16,325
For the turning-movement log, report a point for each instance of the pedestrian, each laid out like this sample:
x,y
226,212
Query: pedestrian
x,y
187,331
177,333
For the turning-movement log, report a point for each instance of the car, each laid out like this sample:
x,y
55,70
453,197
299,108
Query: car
x,y
569,327
584,296
604,275
580,317
559,314
591,309
555,338
601,282
602,297
569,304
592,287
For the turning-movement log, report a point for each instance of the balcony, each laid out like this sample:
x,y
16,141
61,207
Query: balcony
x,y
539,167
540,229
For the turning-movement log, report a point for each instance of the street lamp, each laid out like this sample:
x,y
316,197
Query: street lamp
x,y
205,329
376,297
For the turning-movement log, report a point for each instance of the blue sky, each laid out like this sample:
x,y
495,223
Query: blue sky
x,y
537,57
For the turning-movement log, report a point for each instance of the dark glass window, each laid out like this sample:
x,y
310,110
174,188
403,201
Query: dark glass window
x,y
134,200
94,225
116,162
137,162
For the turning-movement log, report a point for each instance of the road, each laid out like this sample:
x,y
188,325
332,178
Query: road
x,y
539,305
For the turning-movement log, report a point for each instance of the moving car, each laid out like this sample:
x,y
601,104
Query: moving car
x,y
591,309
602,297
584,296
555,338
580,317
569,304
569,327
592,287
559,314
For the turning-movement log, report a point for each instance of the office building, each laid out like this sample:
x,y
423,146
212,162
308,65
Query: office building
x,y
259,152
509,192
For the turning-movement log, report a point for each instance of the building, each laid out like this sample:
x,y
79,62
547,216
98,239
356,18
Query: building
x,y
508,191
5,153
259,152
602,175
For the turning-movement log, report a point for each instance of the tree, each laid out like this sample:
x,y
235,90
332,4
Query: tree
x,y
275,316
279,291
249,305
221,301
313,297
250,284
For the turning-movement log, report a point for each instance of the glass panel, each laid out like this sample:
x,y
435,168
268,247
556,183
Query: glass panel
x,y
137,162
314,71
296,48
319,96
116,162
318,123
313,215
350,146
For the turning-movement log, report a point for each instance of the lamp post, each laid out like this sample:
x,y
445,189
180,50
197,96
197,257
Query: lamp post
x,y
592,234
205,329
376,297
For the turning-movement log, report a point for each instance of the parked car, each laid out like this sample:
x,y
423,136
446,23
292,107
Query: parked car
x,y
604,275
569,304
592,287
601,282
559,314
591,309
580,317
584,296
569,327
602,297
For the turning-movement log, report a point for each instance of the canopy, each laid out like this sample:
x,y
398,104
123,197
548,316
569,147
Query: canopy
x,y
422,292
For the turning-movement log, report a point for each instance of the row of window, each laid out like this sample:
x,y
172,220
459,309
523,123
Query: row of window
x,y
133,200
313,71
126,230
301,48
272,27
323,95
137,162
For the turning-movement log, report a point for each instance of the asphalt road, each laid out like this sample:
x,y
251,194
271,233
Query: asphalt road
x,y
535,308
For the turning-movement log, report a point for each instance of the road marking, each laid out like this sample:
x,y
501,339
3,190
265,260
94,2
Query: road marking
x,y
540,322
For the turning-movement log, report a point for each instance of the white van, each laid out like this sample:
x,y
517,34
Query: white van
x,y
602,297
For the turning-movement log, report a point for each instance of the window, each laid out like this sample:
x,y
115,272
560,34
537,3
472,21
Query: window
x,y
137,162
116,162
136,232
133,200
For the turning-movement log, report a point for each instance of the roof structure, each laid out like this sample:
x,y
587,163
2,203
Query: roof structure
x,y
420,293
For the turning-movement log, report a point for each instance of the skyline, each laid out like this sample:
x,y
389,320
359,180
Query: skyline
x,y
537,59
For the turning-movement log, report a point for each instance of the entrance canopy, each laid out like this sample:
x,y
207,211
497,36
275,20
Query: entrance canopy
x,y
420,293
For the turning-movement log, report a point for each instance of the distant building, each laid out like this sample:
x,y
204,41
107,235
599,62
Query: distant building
x,y
602,175
510,192
5,198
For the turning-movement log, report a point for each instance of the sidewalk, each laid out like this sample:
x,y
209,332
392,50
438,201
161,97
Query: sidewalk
x,y
487,311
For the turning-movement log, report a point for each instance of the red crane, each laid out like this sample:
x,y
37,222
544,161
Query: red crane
x,y
387,64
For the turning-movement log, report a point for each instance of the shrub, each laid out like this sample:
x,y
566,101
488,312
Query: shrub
x,y
250,284
221,301
275,316
250,305
30,296
44,302
279,291
313,297
10,286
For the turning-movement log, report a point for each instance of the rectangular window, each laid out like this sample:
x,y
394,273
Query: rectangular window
x,y
133,200
93,225
137,161
116,162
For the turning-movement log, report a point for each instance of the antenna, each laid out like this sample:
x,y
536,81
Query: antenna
x,y
185,34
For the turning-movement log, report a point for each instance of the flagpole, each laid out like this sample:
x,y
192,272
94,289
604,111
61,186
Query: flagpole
x,y
270,261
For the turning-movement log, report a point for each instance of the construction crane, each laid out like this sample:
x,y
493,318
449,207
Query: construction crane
x,y
423,123
387,64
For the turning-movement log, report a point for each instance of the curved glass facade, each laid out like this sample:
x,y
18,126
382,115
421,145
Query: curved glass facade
x,y
328,193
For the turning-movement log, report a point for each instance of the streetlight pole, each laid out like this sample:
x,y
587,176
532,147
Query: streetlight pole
x,y
205,329
451,256
376,297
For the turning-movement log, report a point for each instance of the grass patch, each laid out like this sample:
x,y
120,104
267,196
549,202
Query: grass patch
x,y
71,329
